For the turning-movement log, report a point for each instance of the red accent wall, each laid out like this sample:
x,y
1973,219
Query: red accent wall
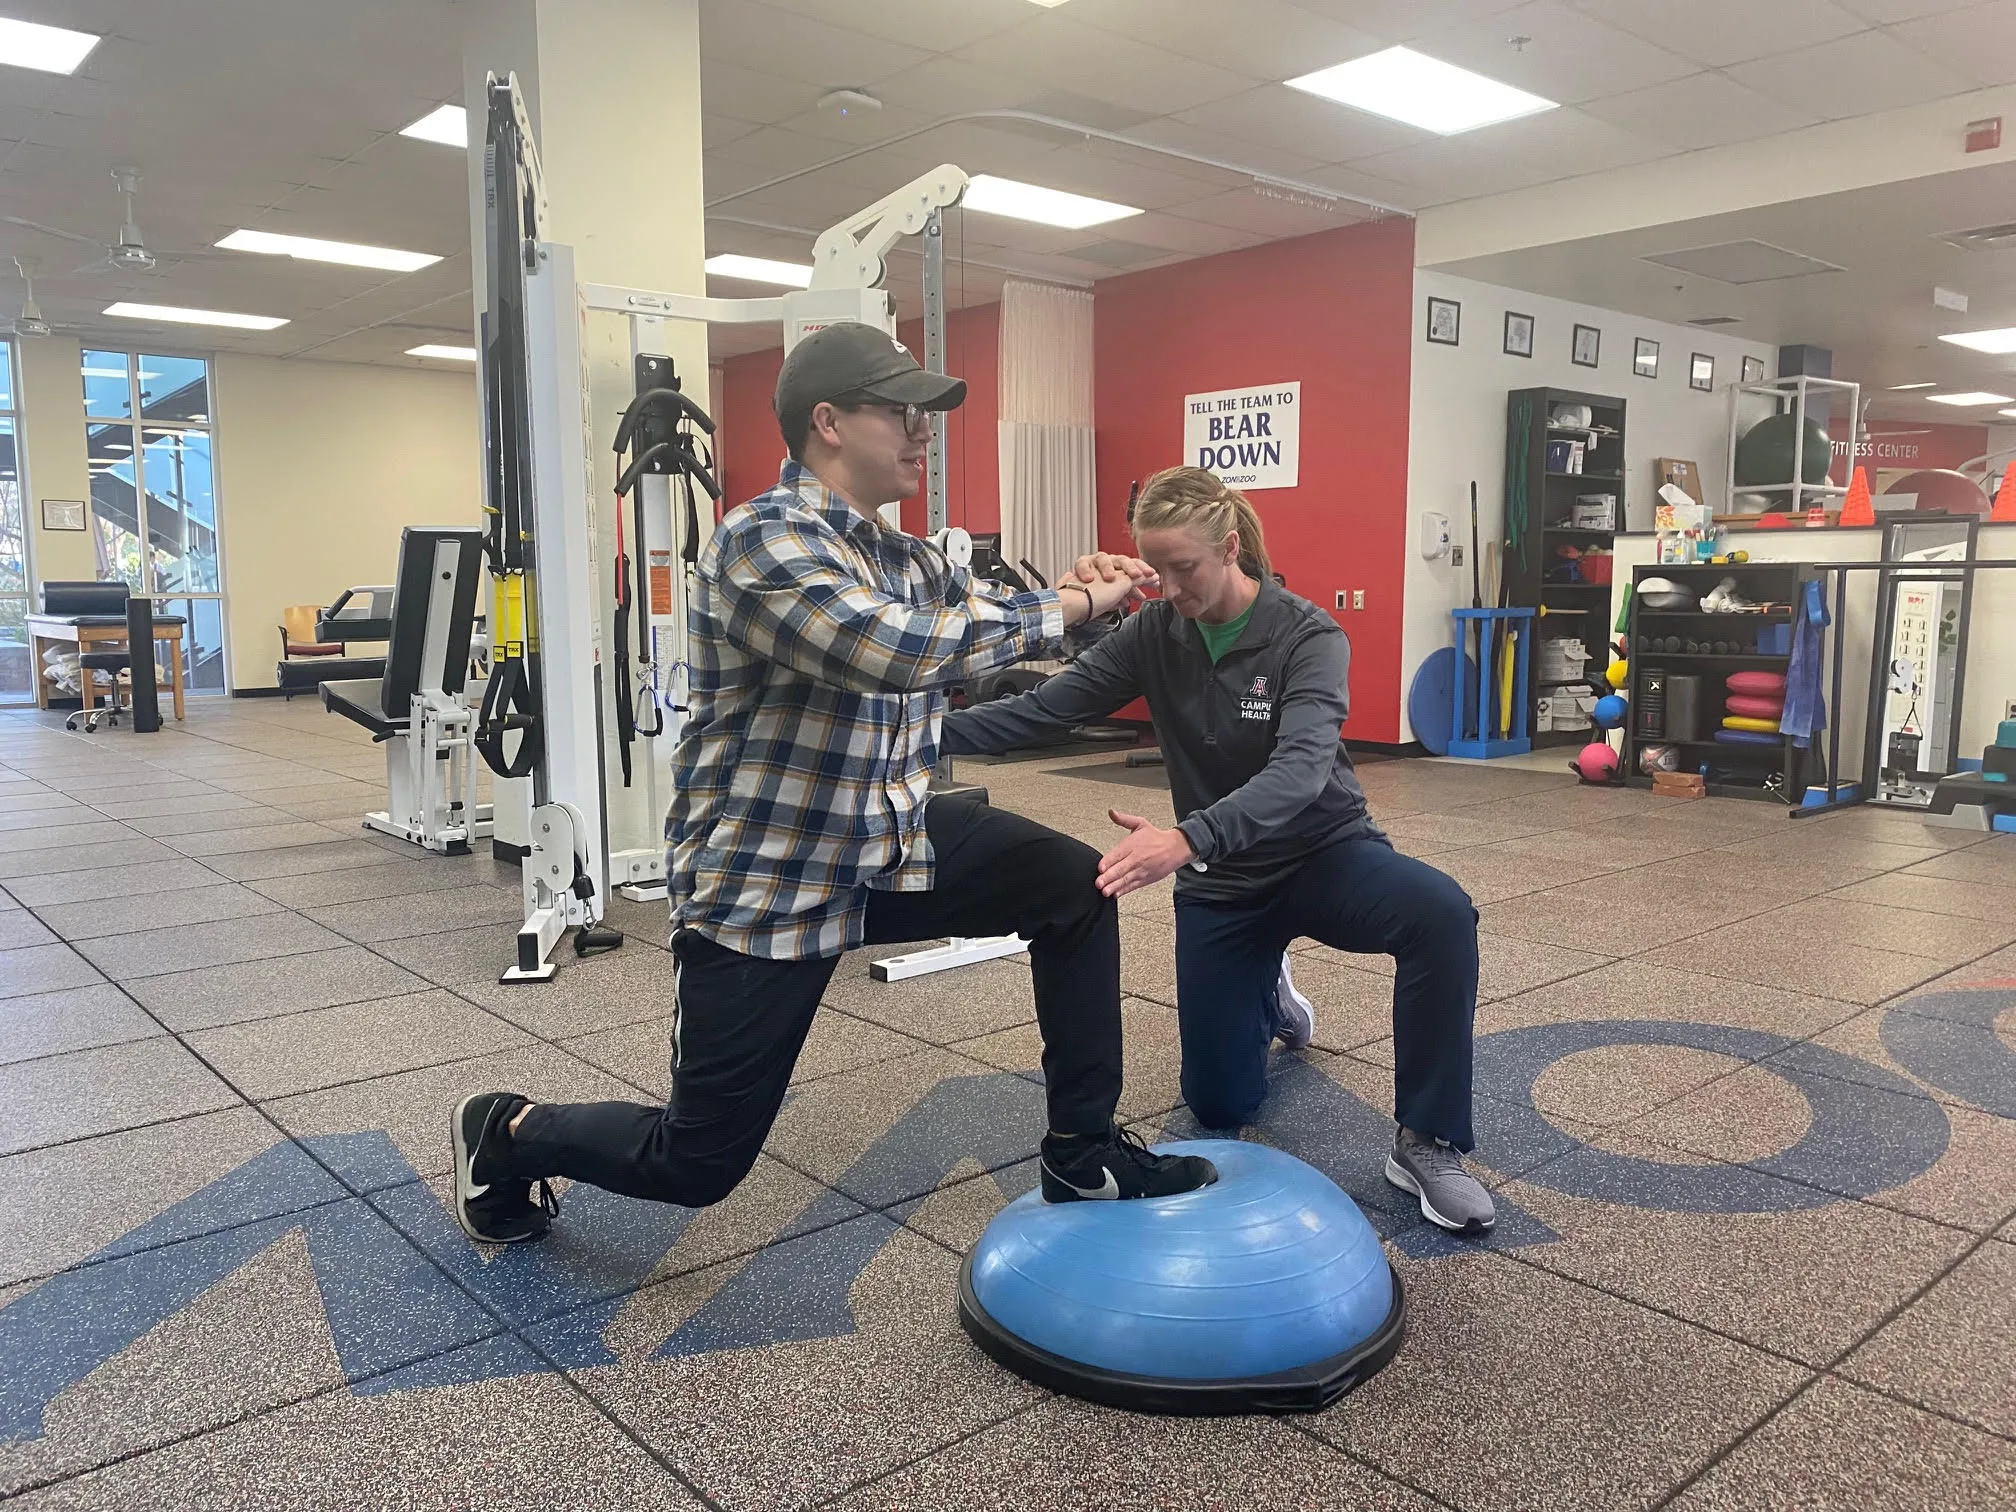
x,y
1895,447
752,452
1334,310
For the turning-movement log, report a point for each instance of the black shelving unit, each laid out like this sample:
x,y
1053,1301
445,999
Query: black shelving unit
x,y
1532,566
1737,771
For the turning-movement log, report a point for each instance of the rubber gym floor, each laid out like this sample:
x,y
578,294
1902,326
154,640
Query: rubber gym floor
x,y
1747,1096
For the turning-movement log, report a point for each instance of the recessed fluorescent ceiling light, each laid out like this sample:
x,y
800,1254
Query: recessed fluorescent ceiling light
x,y
760,269
1905,388
447,124
445,353
1047,4
1996,342
2009,412
1032,202
314,249
52,49
1973,397
1404,85
176,315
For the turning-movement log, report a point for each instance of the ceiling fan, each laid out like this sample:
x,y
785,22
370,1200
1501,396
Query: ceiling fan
x,y
128,253
29,324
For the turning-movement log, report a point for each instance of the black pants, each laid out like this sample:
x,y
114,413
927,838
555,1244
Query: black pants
x,y
1357,895
740,1021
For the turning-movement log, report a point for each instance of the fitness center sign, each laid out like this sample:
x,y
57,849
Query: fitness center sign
x,y
1250,437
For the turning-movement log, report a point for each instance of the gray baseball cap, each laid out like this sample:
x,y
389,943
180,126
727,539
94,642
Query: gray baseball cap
x,y
849,358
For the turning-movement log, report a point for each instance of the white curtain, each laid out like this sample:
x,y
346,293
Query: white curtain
x,y
1048,511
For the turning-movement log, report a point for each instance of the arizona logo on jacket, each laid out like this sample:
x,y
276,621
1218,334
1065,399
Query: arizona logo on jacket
x,y
1256,704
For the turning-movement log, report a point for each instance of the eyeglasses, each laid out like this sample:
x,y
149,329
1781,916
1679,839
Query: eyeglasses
x,y
916,419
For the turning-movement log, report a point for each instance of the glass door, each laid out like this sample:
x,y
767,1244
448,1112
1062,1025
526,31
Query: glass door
x,y
153,494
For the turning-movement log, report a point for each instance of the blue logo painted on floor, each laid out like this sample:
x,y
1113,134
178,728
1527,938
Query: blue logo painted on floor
x,y
403,1291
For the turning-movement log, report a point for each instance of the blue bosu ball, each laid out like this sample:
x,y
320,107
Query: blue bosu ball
x,y
1264,1292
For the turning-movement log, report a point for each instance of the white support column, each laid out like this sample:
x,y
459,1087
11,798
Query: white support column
x,y
612,91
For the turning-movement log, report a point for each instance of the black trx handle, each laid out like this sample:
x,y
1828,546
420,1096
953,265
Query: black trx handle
x,y
509,704
684,410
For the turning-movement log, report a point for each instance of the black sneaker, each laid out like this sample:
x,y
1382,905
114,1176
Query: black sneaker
x,y
489,1205
1116,1165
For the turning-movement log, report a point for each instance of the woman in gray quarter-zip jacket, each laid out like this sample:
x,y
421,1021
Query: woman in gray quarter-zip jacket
x,y
1247,686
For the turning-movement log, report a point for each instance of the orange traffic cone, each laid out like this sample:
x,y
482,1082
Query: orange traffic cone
x,y
1857,509
2004,512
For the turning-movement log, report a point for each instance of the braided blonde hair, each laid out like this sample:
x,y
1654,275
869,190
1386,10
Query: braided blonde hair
x,y
1195,499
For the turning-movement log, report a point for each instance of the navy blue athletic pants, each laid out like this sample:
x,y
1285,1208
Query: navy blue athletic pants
x,y
1359,895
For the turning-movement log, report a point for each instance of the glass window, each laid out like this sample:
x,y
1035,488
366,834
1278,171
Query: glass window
x,y
153,492
108,385
202,642
175,388
17,676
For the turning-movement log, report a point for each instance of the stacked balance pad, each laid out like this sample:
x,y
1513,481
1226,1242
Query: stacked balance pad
x,y
1751,708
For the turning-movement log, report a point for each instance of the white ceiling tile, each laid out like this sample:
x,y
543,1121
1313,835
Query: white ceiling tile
x,y
1571,57
1978,43
1126,181
718,131
1702,110
1569,142
1451,168
1197,238
1718,32
950,86
1404,20
747,94
857,128
773,150
1369,189
1289,120
1269,39
1853,76
1255,156
985,147
931,25
1102,66
1883,12
760,37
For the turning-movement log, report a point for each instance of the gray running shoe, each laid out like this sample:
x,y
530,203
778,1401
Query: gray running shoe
x,y
1450,1196
1294,1014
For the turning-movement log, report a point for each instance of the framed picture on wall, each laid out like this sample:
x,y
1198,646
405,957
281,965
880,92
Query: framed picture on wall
x,y
63,514
1645,357
1701,372
1518,334
1445,321
1587,344
1753,369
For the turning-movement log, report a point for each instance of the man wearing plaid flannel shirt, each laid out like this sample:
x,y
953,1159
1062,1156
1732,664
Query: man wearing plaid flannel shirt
x,y
821,643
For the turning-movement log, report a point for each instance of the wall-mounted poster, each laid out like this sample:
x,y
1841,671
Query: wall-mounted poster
x,y
1753,369
1645,357
1250,437
1518,334
1701,372
1588,343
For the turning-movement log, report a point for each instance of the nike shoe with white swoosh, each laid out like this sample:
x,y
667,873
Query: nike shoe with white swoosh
x,y
489,1204
1115,1166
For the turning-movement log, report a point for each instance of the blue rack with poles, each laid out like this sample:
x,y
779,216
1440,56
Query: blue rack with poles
x,y
1475,714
